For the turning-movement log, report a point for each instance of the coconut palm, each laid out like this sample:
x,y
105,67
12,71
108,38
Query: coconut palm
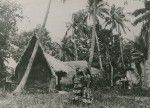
x,y
79,25
96,9
144,17
115,21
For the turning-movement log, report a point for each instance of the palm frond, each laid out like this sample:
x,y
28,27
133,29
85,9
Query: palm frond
x,y
112,10
144,17
114,25
68,29
144,31
103,10
142,39
138,12
123,27
91,2
101,15
102,4
108,23
126,27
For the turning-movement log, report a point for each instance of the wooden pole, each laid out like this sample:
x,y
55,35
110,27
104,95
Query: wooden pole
x,y
93,37
99,56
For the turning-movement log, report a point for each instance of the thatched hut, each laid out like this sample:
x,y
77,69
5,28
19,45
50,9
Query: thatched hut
x,y
83,65
44,67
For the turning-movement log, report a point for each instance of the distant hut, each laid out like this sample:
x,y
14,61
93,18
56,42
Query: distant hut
x,y
82,65
44,68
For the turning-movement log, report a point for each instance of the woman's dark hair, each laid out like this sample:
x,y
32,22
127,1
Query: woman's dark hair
x,y
88,71
80,73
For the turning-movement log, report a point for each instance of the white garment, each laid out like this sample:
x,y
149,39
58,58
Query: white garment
x,y
133,77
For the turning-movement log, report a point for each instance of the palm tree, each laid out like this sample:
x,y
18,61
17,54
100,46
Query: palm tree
x,y
115,21
96,10
80,24
144,17
77,28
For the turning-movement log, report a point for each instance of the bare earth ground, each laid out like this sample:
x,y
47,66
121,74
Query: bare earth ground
x,y
62,100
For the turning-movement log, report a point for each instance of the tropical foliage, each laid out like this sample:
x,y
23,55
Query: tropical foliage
x,y
9,14
143,40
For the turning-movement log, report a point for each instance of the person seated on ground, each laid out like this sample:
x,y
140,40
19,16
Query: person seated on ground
x,y
122,82
131,78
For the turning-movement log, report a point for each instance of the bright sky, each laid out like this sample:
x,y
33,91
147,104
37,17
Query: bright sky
x,y
60,13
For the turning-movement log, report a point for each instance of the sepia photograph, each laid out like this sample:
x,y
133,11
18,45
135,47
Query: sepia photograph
x,y
74,53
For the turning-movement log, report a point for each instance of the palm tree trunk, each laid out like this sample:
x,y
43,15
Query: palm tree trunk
x,y
111,68
46,15
60,54
93,37
112,74
142,65
121,53
76,50
75,45
99,56
121,49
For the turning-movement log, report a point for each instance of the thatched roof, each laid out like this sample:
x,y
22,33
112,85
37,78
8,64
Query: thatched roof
x,y
57,65
78,64
82,65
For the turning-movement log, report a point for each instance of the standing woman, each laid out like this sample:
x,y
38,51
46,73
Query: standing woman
x,y
78,81
87,94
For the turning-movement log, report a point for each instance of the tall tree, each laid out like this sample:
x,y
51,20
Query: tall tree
x,y
115,22
144,17
96,8
82,29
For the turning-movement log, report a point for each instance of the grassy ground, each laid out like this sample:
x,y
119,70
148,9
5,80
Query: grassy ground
x,y
102,99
